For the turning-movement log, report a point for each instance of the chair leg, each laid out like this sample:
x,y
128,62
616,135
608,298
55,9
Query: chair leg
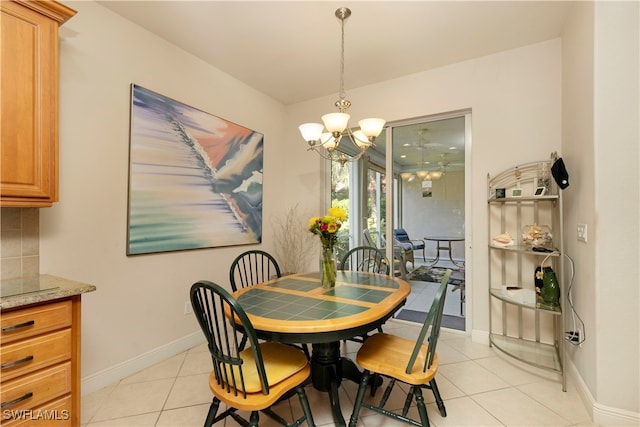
x,y
408,400
243,342
376,381
436,394
422,409
305,349
306,408
387,392
213,410
359,398
254,419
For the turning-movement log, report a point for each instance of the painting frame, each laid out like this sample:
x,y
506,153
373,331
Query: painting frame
x,y
195,179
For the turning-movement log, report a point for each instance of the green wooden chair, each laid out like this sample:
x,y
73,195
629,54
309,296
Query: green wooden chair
x,y
250,379
252,267
411,362
365,258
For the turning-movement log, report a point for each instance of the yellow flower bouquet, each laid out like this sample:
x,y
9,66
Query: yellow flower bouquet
x,y
326,227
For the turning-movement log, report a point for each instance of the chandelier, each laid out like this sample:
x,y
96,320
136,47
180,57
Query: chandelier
x,y
326,142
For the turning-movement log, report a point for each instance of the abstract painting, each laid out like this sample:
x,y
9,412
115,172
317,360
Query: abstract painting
x,y
195,180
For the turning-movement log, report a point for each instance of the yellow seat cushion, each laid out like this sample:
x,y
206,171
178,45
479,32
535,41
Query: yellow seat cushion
x,y
389,355
280,362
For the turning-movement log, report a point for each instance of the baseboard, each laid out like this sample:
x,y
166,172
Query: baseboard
x,y
111,375
602,415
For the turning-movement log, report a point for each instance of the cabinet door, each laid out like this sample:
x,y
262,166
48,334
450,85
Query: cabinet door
x,y
29,100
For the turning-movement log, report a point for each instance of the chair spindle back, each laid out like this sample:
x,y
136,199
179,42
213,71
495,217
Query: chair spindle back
x,y
213,306
431,325
252,267
365,258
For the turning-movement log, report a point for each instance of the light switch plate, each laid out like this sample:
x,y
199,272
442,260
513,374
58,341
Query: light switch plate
x,y
582,232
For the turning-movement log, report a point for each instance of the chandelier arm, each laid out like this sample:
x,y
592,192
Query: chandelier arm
x,y
336,155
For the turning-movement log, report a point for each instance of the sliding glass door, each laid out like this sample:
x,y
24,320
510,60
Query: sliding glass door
x,y
415,178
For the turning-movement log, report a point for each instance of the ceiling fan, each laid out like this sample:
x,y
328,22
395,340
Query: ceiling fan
x,y
444,163
428,143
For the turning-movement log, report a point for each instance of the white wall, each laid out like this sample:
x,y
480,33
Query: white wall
x,y
515,102
442,214
600,147
617,136
136,315
579,198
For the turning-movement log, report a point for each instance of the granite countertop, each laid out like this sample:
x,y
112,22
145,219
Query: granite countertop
x,y
33,290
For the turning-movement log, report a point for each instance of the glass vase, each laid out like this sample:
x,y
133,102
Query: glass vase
x,y
328,267
550,289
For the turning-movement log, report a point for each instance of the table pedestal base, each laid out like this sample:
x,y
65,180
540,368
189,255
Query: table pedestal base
x,y
327,371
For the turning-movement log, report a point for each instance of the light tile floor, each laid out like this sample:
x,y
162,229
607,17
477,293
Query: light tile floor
x,y
480,387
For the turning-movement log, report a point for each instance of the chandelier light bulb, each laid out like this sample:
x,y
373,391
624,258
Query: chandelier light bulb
x,y
311,131
371,127
361,140
406,175
335,122
329,142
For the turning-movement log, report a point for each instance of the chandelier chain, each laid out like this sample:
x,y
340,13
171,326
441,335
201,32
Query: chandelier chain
x,y
342,94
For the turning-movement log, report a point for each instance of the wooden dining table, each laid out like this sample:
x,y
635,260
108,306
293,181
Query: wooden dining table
x,y
296,309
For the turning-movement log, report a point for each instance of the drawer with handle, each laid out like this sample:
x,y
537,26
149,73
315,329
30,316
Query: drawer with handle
x,y
51,414
28,355
34,389
28,322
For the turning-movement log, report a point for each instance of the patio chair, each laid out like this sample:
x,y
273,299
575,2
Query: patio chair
x,y
400,359
400,255
402,237
251,379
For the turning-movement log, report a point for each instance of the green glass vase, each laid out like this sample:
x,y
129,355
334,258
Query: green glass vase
x,y
550,288
328,267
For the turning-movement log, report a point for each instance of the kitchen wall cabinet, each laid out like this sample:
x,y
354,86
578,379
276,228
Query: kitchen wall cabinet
x,y
29,102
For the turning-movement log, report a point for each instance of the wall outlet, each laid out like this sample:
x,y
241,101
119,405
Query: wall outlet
x,y
582,232
187,308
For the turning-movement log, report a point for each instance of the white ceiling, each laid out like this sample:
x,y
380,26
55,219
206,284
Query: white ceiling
x,y
290,50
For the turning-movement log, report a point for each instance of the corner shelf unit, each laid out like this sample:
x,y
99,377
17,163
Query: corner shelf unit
x,y
520,324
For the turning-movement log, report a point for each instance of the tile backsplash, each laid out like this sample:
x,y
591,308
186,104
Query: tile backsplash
x,y
19,242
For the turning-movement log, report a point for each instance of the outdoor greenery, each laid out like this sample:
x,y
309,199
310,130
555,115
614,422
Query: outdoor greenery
x,y
340,186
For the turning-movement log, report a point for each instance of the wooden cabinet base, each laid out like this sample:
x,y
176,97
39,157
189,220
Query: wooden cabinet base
x,y
40,364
